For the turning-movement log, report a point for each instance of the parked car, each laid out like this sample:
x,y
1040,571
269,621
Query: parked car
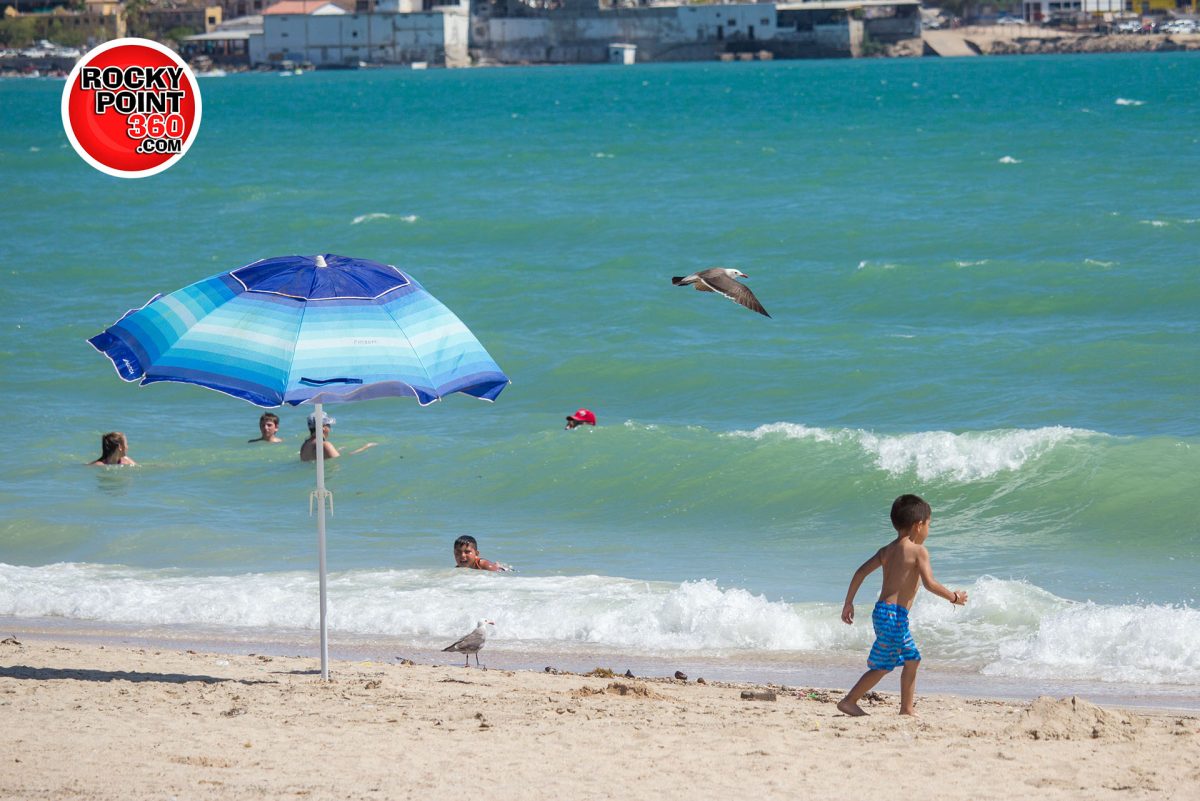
x,y
1128,26
1009,20
1181,26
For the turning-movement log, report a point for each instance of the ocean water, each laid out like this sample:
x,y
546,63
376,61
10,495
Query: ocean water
x,y
984,282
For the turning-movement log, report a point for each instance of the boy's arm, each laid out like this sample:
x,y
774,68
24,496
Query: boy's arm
x,y
957,597
363,448
330,451
486,564
860,575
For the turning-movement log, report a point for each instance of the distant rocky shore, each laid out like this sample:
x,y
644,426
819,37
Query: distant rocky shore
x,y
1030,40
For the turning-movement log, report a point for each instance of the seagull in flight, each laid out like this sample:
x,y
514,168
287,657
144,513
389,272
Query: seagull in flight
x,y
472,642
723,280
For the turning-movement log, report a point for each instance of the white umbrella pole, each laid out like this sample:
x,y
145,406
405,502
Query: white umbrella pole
x,y
321,495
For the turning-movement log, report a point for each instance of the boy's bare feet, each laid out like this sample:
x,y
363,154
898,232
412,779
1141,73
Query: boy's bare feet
x,y
911,712
846,707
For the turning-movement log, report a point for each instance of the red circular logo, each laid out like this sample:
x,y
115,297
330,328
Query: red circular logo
x,y
131,108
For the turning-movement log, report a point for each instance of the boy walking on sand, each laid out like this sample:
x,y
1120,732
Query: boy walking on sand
x,y
905,564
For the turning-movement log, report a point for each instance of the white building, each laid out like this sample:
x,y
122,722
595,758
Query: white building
x,y
1045,10
662,33
394,34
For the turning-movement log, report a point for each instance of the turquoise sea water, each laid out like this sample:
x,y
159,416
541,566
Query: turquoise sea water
x,y
984,282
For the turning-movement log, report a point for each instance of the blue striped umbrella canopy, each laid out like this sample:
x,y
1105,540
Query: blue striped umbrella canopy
x,y
304,329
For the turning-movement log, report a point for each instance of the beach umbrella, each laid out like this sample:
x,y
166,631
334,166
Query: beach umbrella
x,y
304,330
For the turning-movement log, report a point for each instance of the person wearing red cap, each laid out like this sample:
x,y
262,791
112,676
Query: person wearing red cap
x,y
579,418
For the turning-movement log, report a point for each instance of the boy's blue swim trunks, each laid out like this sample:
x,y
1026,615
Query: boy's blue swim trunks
x,y
893,641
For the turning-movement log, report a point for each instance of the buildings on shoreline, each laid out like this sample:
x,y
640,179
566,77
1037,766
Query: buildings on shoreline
x,y
452,33
556,32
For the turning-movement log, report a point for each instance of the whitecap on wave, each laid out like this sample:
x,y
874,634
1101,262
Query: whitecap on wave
x,y
1150,644
968,456
362,218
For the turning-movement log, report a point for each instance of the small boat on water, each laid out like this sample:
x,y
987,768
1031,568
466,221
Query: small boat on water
x,y
290,67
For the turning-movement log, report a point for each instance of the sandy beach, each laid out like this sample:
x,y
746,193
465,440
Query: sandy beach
x,y
92,721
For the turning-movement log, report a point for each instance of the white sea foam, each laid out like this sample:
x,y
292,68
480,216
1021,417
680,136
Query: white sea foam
x,y
1139,644
427,606
1155,223
1009,160
969,456
363,218
961,457
1009,628
1124,101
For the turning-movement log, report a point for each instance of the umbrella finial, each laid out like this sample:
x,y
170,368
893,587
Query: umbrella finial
x,y
321,261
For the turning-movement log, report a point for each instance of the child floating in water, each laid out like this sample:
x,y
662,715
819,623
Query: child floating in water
x,y
114,450
466,554
905,564
268,428
308,448
581,417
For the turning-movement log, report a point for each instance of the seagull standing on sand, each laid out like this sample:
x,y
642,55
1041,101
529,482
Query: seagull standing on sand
x,y
472,643
723,280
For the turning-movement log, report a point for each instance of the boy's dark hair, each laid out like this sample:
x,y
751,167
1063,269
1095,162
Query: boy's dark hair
x,y
908,510
274,418
466,539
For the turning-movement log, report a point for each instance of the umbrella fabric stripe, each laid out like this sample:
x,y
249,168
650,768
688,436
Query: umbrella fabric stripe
x,y
143,340
153,330
239,363
484,385
359,392
445,371
194,302
181,314
258,395
248,333
196,351
427,370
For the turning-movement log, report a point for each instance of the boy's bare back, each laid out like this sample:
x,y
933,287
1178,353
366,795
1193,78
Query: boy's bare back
x,y
902,562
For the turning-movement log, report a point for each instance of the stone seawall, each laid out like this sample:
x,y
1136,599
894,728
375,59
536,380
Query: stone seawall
x,y
1093,43
1002,40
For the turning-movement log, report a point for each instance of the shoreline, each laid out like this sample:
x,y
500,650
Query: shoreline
x,y
112,721
757,669
967,41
